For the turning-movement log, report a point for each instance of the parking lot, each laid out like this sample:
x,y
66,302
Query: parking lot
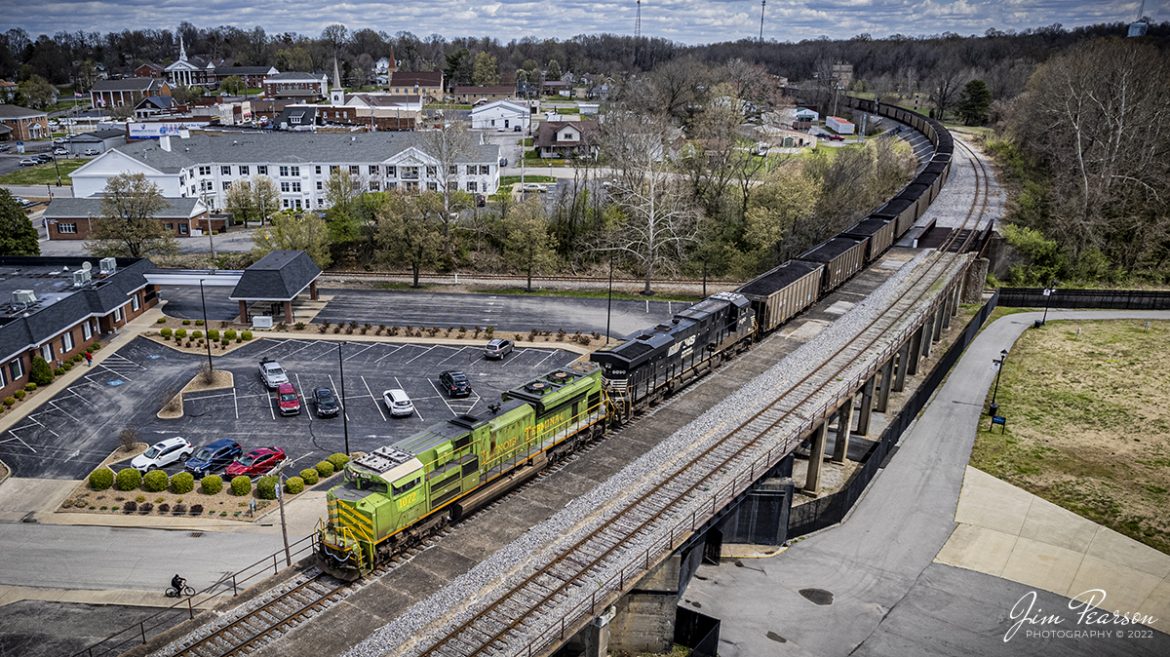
x,y
79,427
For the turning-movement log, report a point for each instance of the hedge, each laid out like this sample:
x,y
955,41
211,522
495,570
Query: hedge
x,y
101,479
338,460
324,468
241,485
128,479
294,485
309,476
266,487
155,481
229,334
183,482
211,484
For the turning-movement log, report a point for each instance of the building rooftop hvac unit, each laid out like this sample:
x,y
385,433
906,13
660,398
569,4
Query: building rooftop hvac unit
x,y
80,277
24,297
108,265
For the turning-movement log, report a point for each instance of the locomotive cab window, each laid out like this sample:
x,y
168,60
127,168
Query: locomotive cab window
x,y
403,487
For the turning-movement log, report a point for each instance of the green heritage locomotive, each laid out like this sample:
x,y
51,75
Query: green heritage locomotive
x,y
399,493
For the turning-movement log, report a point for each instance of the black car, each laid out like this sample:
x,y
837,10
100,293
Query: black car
x,y
497,348
213,457
44,157
455,383
326,403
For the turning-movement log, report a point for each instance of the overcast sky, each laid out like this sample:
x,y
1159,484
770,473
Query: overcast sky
x,y
687,21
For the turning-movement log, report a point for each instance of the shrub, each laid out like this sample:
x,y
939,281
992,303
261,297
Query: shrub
x,y
186,322
196,509
101,479
164,508
211,484
179,509
266,487
140,499
338,460
229,334
130,507
294,485
241,485
300,326
29,387
198,322
9,401
145,508
183,482
68,365
213,334
161,320
181,334
60,371
155,481
196,335
166,333
95,346
324,468
77,358
309,476
40,373
19,394
128,479
246,335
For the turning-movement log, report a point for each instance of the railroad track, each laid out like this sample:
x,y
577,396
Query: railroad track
x,y
505,278
522,620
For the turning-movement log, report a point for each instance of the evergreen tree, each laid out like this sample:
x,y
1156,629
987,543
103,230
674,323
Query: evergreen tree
x,y
17,235
975,103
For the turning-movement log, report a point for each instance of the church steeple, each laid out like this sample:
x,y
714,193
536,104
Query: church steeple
x,y
182,50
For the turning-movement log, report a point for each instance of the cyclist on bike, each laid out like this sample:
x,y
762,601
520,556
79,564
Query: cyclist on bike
x,y
178,583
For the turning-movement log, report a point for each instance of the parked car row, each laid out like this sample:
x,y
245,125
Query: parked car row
x,y
224,454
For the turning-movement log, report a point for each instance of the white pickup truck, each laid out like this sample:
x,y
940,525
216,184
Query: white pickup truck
x,y
272,374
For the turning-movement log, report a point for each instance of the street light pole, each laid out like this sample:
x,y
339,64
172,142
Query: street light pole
x,y
206,326
283,524
993,410
344,410
1048,292
207,209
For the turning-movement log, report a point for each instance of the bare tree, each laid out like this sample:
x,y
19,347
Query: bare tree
x,y
128,225
652,220
451,146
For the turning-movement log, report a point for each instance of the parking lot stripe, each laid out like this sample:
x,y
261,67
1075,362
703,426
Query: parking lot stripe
x,y
442,396
297,351
358,352
392,352
452,355
276,343
377,404
333,386
399,384
18,439
424,353
236,402
550,355
271,406
71,416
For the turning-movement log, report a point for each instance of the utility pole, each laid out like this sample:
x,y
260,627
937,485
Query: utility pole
x,y
207,208
344,410
763,3
609,301
283,524
206,326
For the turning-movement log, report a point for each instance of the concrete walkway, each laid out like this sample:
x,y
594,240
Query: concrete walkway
x,y
870,584
1008,532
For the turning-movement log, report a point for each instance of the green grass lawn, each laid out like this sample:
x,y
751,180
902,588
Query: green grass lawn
x,y
1088,427
510,180
43,174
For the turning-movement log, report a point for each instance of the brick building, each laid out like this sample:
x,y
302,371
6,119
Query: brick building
x,y
23,123
74,218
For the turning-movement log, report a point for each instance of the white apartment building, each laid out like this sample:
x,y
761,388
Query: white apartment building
x,y
205,165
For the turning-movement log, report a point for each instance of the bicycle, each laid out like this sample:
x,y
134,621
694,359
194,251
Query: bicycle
x,y
173,592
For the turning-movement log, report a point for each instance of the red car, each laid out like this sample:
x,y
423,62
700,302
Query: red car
x,y
257,462
287,399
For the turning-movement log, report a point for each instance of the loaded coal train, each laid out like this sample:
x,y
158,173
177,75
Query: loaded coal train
x,y
398,494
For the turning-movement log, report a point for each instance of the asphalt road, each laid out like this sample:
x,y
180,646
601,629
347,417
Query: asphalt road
x,y
31,627
887,596
505,312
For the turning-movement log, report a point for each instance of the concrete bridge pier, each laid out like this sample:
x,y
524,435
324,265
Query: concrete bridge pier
x,y
643,620
844,425
927,337
812,481
903,363
914,352
887,374
866,408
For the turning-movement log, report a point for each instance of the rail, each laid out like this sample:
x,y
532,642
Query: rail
x,y
142,631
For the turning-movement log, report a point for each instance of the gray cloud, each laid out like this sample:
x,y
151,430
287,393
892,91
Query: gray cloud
x,y
687,21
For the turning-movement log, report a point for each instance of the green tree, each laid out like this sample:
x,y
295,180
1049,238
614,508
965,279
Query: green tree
x,y
778,206
410,229
17,235
37,92
295,58
128,226
239,203
530,244
40,373
975,103
233,85
459,67
265,197
295,231
486,70
553,72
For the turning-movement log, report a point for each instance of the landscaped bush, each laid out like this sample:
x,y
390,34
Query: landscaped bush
x,y
77,358
19,394
164,508
229,335
309,476
130,507
196,335
241,485
294,485
196,509
300,326
181,334
246,335
211,484
60,371
198,322
68,365
161,320
95,346
145,508
155,481
29,387
179,509
166,333
324,468
186,322
101,479
338,460
183,482
266,487
213,335
128,479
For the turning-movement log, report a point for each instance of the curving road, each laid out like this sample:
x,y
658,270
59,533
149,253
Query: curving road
x,y
876,569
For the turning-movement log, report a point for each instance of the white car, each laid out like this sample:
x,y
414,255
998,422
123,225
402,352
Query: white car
x,y
272,373
90,152
162,454
60,151
398,403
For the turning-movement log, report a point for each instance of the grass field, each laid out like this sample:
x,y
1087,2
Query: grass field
x,y
43,174
1088,423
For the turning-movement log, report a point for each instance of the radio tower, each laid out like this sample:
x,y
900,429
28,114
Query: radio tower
x,y
763,3
638,22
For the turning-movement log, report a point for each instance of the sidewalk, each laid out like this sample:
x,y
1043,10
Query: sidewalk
x,y
1008,532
